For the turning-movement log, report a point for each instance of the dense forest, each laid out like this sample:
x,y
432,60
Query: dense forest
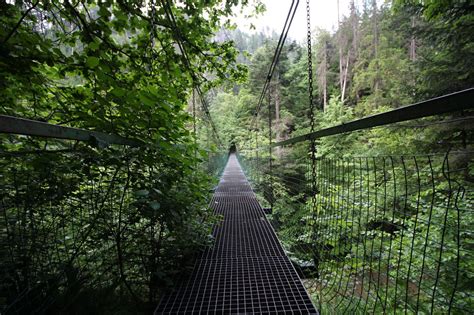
x,y
96,227
89,226
372,237
380,57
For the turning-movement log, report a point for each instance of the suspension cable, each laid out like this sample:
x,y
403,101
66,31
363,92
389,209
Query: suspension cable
x,y
276,56
152,33
256,150
194,124
310,75
270,165
313,142
169,13
311,102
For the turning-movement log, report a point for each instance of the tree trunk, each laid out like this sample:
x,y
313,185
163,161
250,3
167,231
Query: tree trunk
x,y
343,62
340,47
376,43
413,41
277,113
355,28
324,76
346,72
376,35
355,36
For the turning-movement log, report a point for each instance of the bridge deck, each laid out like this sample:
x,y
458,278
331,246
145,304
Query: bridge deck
x,y
246,271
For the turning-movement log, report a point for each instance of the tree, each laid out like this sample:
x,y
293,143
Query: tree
x,y
323,41
105,221
445,44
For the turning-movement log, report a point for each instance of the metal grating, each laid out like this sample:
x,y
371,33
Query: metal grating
x,y
246,271
231,198
244,239
240,285
239,210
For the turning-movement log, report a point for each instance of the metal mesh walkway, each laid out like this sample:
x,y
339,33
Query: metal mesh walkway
x,y
246,271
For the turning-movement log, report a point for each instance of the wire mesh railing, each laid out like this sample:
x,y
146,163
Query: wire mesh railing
x,y
59,226
387,233
82,226
216,162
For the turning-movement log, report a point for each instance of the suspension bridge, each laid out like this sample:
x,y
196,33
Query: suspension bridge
x,y
380,229
246,271
384,234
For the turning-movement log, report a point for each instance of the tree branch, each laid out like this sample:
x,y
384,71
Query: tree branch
x,y
19,23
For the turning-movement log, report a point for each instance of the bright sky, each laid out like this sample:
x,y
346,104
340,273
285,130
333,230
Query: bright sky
x,y
323,15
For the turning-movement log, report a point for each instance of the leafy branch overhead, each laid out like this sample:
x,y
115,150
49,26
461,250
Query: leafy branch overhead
x,y
111,66
106,222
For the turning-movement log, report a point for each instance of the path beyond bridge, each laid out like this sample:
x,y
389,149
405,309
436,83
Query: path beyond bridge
x,y
246,271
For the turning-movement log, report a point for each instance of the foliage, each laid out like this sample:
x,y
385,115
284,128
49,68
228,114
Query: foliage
x,y
84,221
386,221
446,31
386,228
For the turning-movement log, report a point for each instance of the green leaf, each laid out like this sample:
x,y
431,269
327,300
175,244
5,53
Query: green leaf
x,y
92,61
141,193
119,92
94,46
155,205
146,98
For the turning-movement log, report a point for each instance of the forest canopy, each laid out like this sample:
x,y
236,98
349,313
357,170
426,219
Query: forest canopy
x,y
90,226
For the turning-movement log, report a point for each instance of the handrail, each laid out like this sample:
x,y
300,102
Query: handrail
x,y
457,101
28,127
